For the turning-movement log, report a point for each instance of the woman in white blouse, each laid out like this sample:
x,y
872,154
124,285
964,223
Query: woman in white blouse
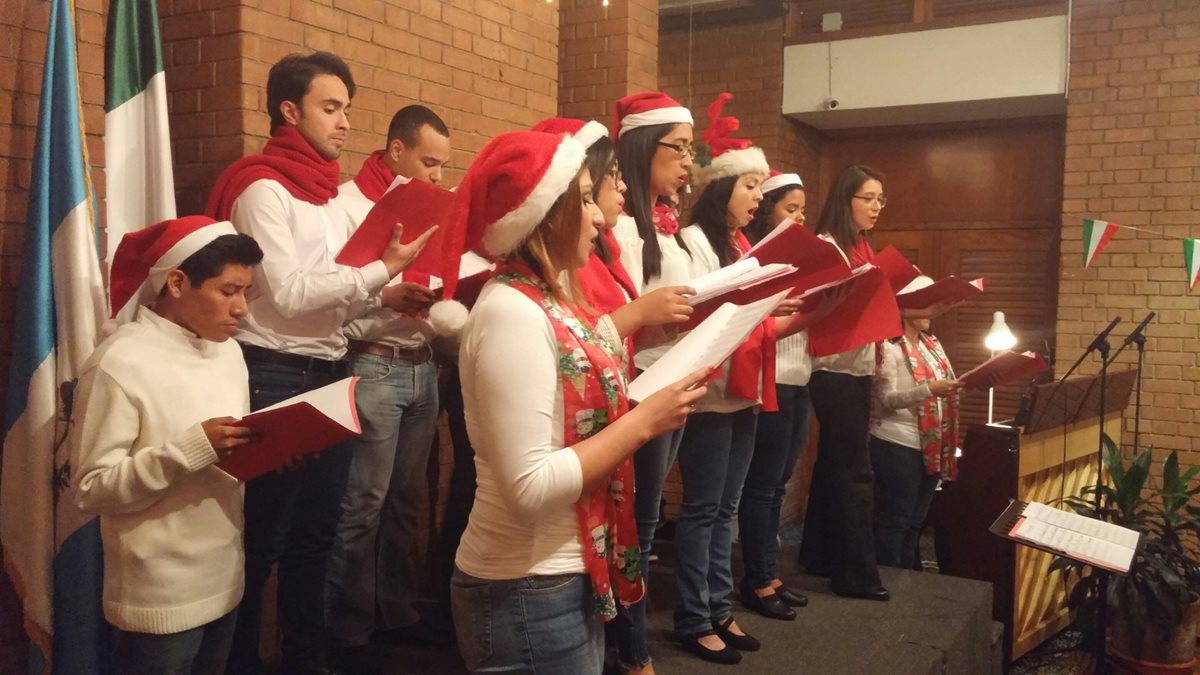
x,y
550,550
914,436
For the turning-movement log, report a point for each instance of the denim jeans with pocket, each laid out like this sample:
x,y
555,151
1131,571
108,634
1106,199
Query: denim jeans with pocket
x,y
202,650
539,624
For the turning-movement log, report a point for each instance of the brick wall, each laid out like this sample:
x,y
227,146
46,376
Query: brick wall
x,y
743,55
1133,157
605,52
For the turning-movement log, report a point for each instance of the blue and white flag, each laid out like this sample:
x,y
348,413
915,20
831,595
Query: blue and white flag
x,y
51,550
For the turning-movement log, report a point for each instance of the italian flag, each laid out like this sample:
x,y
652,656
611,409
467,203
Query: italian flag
x,y
1096,235
137,142
1191,257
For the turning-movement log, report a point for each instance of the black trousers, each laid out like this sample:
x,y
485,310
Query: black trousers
x,y
839,537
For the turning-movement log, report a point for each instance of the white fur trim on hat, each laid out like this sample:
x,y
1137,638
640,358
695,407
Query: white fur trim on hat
x,y
916,285
590,133
782,180
507,233
731,163
669,115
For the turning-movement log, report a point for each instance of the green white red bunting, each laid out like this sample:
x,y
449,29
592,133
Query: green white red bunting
x,y
1191,259
1096,235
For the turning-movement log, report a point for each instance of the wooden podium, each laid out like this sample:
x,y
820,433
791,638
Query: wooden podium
x,y
1053,454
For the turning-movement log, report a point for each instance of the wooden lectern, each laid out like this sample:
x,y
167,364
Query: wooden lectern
x,y
1052,454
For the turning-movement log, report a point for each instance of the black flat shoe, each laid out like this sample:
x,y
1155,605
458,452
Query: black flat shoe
x,y
727,656
791,598
878,593
745,643
770,606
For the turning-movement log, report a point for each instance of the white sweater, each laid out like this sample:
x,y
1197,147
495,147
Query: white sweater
x,y
171,522
523,521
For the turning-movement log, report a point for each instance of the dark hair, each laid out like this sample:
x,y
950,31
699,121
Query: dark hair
x,y
837,220
600,160
554,239
227,249
635,153
709,213
764,218
291,77
407,122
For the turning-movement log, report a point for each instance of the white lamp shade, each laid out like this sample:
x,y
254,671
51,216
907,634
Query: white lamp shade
x,y
999,337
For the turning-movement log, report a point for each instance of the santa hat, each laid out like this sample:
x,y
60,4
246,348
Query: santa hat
x,y
721,155
779,180
647,109
143,259
506,193
585,132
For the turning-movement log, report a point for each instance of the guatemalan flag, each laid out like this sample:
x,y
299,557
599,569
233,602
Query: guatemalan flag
x,y
51,550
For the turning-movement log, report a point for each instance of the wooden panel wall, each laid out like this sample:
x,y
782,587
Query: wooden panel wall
x,y
971,200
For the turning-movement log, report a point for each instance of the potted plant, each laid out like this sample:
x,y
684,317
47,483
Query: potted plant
x,y
1153,610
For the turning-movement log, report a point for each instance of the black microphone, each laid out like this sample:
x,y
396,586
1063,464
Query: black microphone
x,y
1136,335
1103,335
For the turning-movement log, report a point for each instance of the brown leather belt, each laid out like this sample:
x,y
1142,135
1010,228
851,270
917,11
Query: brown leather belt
x,y
415,355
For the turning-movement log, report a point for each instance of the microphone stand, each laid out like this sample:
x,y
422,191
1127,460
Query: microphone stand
x,y
1101,660
1137,337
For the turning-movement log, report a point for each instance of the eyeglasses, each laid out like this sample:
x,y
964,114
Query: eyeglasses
x,y
869,199
682,150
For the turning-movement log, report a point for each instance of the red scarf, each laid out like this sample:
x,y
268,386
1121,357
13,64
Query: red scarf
x,y
753,362
938,434
861,253
666,221
608,287
287,158
374,177
593,398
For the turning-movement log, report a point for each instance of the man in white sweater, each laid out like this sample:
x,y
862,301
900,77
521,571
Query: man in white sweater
x,y
156,409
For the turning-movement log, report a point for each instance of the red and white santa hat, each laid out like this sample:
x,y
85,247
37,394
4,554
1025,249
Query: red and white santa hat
x,y
647,109
506,193
779,180
722,155
143,259
585,132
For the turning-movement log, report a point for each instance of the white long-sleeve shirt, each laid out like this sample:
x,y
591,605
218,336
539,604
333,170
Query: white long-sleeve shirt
x,y
898,396
300,297
676,271
170,520
523,521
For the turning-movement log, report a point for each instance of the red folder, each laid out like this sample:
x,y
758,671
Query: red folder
x,y
869,314
304,425
415,204
792,244
899,271
950,289
1005,367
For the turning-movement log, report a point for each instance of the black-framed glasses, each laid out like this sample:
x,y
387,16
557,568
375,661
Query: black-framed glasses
x,y
681,149
872,199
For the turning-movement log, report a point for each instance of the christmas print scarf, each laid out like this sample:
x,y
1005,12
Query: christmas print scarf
x,y
593,397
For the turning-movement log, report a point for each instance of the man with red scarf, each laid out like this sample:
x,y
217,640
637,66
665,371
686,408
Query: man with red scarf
x,y
292,338
372,582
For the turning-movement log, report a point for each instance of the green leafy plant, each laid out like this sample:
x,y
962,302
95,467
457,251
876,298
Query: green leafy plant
x,y
1153,601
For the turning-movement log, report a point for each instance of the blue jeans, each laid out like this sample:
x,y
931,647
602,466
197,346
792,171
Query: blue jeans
x,y
778,444
291,517
538,624
371,567
651,463
904,492
198,651
713,459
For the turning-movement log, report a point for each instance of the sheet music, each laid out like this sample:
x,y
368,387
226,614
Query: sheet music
x,y
335,401
707,345
1096,541
744,272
